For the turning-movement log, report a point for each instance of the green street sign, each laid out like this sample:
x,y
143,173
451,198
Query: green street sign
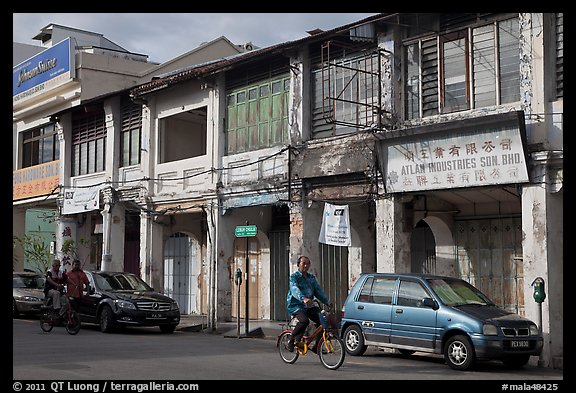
x,y
246,231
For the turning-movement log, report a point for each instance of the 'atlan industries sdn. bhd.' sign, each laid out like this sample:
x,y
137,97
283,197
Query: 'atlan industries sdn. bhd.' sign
x,y
469,156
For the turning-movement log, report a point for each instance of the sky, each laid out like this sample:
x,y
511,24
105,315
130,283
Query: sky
x,y
164,36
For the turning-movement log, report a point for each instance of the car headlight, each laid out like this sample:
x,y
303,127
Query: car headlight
x,y
174,306
534,331
125,304
489,330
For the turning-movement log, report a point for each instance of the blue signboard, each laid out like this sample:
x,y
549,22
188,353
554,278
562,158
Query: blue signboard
x,y
49,68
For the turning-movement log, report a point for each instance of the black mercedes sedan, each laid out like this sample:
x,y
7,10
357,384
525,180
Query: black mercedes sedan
x,y
121,299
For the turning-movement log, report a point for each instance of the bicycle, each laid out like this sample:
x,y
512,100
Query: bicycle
x,y
329,347
50,318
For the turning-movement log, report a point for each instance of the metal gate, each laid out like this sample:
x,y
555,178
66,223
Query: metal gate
x,y
279,273
334,273
180,271
423,249
489,254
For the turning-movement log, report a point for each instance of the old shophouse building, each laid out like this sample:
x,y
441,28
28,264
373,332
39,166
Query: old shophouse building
x,y
441,134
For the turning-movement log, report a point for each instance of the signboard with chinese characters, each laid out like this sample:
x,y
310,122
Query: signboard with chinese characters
x,y
36,180
475,156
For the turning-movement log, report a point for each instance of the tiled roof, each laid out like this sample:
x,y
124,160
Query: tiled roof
x,y
204,69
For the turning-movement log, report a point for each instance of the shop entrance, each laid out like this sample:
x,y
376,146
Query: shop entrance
x,y
255,269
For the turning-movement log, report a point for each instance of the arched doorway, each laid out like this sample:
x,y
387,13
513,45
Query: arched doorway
x,y
180,271
423,249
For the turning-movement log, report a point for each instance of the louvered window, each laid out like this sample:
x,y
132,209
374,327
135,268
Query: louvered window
x,y
88,142
469,68
131,117
559,55
257,115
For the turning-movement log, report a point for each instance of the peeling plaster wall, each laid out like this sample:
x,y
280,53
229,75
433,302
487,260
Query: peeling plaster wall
x,y
535,245
299,85
555,284
353,154
392,243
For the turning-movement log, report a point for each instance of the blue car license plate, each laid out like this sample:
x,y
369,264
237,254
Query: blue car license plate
x,y
519,344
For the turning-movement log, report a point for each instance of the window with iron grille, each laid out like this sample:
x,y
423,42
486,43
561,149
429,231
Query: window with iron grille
x,y
40,145
469,68
345,91
88,142
131,118
257,115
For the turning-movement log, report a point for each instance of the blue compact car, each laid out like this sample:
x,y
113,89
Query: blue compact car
x,y
434,314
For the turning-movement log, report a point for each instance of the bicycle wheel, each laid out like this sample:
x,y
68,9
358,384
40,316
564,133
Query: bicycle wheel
x,y
282,344
73,323
331,352
46,321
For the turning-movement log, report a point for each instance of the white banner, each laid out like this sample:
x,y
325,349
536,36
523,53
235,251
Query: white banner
x,y
79,200
335,228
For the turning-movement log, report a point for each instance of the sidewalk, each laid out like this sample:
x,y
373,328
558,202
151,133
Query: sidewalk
x,y
256,328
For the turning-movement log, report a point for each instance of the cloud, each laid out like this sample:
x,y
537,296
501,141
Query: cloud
x,y
163,36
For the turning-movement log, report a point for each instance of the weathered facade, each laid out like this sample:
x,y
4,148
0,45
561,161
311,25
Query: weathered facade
x,y
442,133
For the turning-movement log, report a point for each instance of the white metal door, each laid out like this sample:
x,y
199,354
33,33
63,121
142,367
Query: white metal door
x,y
180,271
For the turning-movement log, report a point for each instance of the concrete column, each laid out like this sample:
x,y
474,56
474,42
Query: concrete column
x,y
296,234
299,98
107,231
211,257
543,256
392,242
66,231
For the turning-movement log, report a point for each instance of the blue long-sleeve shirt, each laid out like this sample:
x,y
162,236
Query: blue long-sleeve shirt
x,y
301,287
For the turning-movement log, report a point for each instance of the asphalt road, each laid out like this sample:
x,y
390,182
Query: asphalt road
x,y
145,354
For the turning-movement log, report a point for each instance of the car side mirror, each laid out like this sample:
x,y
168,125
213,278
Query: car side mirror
x,y
429,302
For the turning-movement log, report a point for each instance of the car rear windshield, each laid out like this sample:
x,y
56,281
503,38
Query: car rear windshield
x,y
121,282
36,282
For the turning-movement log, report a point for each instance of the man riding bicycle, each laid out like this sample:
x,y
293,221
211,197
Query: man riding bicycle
x,y
53,287
299,301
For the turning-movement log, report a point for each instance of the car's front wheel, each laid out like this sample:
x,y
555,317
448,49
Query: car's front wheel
x,y
106,320
459,353
354,340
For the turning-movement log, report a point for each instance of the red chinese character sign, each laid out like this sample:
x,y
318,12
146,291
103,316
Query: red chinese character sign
x,y
37,180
